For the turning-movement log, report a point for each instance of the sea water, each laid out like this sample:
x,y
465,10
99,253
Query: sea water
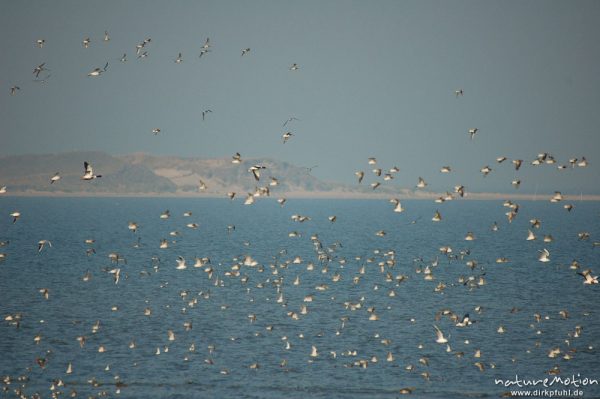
x,y
512,294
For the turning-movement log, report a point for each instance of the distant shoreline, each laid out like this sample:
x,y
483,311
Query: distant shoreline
x,y
308,195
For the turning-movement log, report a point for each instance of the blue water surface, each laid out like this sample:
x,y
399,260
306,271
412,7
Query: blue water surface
x,y
237,320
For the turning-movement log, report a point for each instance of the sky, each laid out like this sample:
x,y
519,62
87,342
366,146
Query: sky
x,y
375,79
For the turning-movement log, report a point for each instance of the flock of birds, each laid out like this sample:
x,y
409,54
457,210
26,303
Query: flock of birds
x,y
244,271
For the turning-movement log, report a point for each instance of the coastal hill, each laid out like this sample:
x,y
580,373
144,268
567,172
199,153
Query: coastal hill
x,y
140,174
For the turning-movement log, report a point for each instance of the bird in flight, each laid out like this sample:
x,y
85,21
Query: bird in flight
x,y
245,51
42,243
439,336
255,170
286,136
13,90
139,47
55,178
156,131
15,215
294,67
179,59
360,175
38,69
473,132
40,43
86,42
486,170
106,36
89,172
589,279
459,92
98,71
205,112
290,120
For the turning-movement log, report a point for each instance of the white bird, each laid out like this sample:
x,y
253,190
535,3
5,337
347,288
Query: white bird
x,y
398,208
3,190
179,59
517,163
440,339
133,226
86,42
156,131
255,170
589,279
237,158
42,243
245,51
294,67
181,263
445,169
436,217
40,43
314,352
15,215
473,132
89,172
421,183
249,199
530,236
557,197
459,92
465,322
55,178
98,71
360,175
116,274
286,136
486,170
544,256
106,36
13,90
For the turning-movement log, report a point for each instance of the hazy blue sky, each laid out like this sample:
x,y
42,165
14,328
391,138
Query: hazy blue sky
x,y
376,78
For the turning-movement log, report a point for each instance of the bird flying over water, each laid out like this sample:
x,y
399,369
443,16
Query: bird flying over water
x,y
439,336
89,172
